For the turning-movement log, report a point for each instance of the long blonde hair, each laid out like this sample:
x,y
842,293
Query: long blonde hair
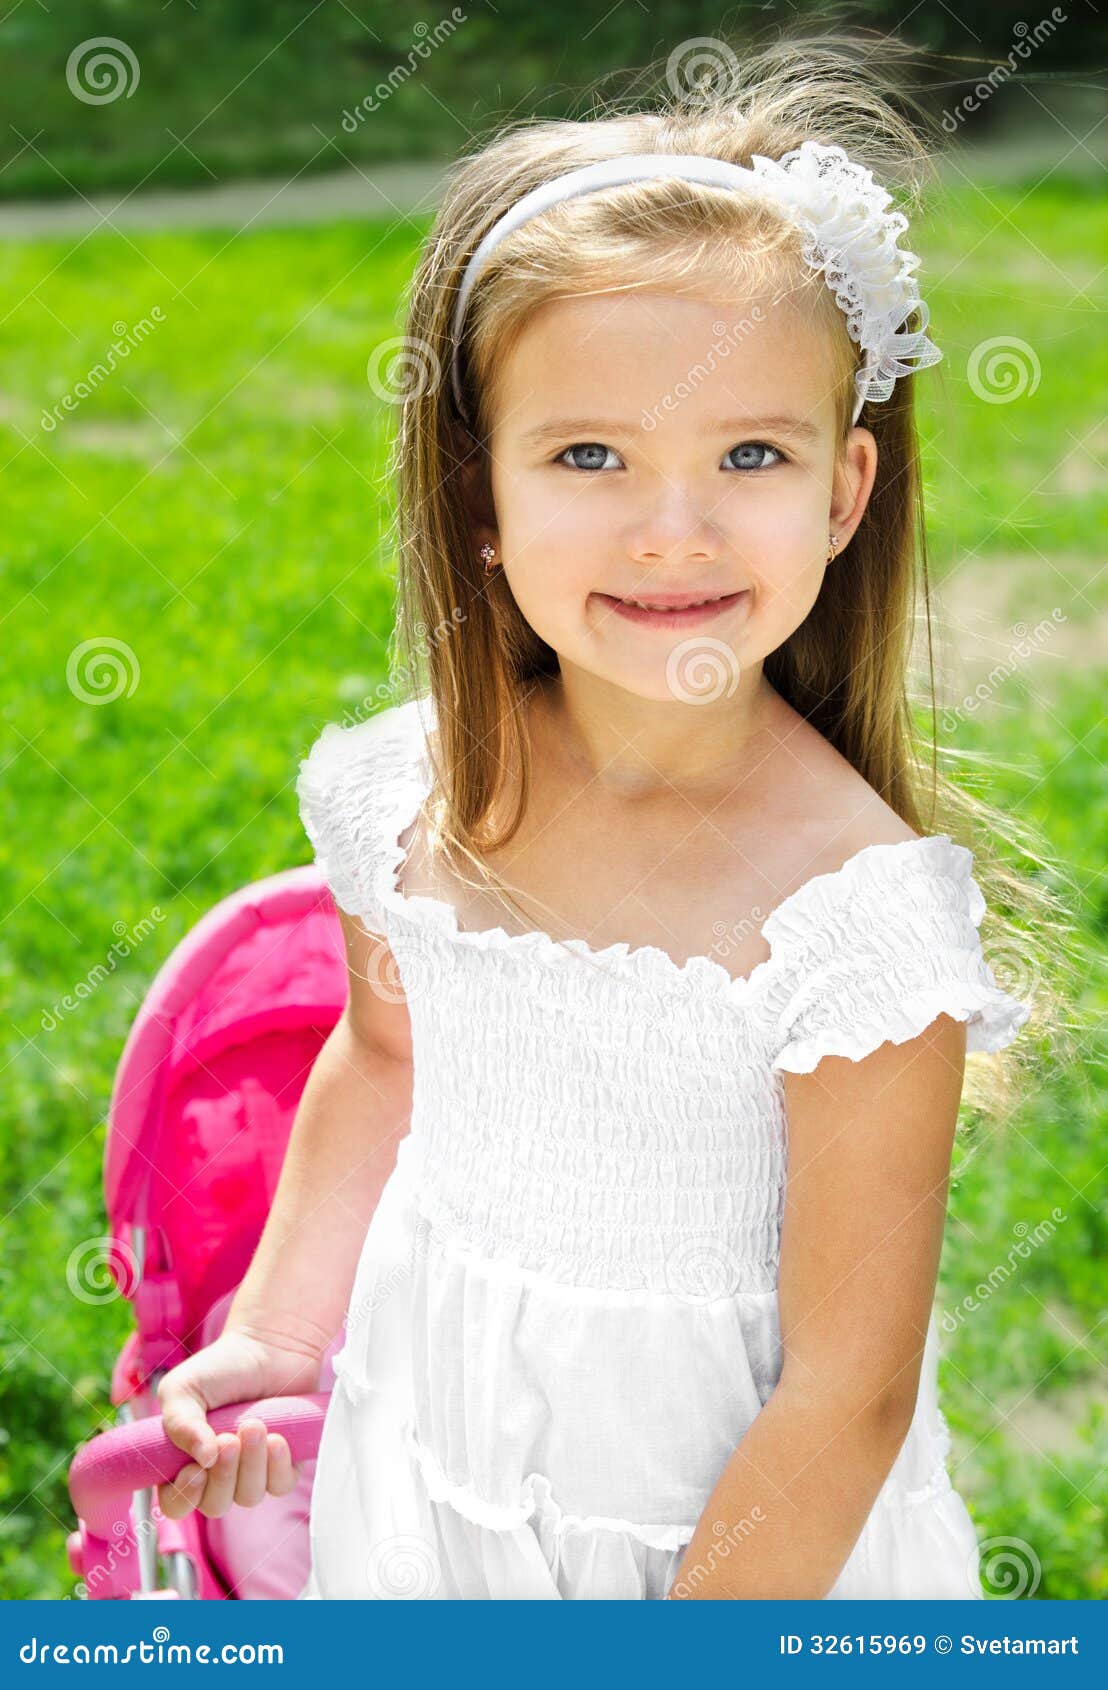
x,y
846,668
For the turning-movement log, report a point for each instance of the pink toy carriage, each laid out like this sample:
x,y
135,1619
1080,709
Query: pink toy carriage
x,y
202,1105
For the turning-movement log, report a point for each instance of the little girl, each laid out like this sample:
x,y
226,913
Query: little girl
x,y
660,990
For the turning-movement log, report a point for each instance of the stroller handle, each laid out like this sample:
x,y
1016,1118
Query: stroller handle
x,y
112,1466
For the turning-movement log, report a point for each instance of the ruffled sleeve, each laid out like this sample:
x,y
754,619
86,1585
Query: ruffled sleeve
x,y
357,789
879,949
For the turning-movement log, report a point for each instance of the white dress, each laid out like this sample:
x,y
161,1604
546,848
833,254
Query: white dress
x,y
564,1317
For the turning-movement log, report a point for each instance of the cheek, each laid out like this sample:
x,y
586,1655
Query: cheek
x,y
785,603
782,518
554,539
788,531
786,547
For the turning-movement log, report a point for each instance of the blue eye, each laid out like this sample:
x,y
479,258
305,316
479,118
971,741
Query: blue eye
x,y
584,446
755,446
599,453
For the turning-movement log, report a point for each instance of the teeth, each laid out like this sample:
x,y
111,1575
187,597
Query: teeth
x,y
638,603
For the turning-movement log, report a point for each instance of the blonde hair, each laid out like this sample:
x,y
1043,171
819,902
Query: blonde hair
x,y
846,668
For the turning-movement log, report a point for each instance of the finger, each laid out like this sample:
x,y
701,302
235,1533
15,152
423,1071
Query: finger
x,y
283,1472
220,1491
251,1480
182,1495
185,1424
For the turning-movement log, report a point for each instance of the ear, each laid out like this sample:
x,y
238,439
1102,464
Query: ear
x,y
477,492
853,481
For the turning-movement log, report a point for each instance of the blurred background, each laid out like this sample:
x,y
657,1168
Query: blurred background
x,y
208,215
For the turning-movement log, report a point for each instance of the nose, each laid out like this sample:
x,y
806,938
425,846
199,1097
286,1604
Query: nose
x,y
674,529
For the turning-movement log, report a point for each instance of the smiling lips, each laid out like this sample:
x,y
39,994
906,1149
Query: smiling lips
x,y
673,610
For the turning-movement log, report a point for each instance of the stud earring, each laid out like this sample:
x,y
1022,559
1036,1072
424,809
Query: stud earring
x,y
487,554
832,548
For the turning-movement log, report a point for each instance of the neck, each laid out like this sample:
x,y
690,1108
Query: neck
x,y
639,749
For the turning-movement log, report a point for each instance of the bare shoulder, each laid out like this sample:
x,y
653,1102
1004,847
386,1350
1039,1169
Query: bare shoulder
x,y
835,807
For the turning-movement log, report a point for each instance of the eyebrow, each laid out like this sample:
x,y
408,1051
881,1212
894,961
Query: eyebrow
x,y
798,427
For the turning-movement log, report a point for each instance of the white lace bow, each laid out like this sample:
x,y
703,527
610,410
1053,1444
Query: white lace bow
x,y
852,237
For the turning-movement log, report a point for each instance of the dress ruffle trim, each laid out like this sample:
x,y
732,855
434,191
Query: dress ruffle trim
x,y
358,788
859,977
535,1496
994,1020
317,792
402,794
880,869
361,786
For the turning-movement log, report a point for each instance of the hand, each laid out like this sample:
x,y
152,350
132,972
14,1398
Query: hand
x,y
228,1467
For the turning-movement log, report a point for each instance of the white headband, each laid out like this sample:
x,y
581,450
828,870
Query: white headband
x,y
850,236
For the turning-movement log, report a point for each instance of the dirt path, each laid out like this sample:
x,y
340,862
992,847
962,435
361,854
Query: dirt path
x,y
1012,613
383,190
376,190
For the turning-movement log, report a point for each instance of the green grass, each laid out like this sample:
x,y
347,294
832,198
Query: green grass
x,y
218,504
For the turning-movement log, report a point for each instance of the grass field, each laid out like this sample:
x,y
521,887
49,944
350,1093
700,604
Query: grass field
x,y
218,505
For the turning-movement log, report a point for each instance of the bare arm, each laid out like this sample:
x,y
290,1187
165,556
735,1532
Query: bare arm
x,y
868,1164
354,1110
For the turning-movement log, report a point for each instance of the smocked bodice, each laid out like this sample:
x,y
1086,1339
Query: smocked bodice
x,y
605,1129
610,1117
